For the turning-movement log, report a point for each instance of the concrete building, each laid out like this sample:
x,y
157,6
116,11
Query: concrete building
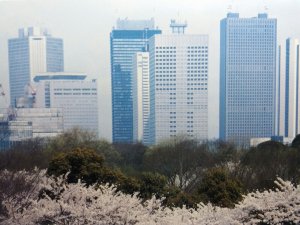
x,y
289,121
247,77
141,97
178,85
32,52
46,122
12,132
280,91
71,92
129,37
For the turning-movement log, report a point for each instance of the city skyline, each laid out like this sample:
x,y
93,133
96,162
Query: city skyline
x,y
88,52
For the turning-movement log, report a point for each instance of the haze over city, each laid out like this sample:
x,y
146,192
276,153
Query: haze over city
x,y
85,27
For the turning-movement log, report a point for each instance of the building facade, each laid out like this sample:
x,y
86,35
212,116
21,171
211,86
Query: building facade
x,y
77,97
292,106
46,122
12,132
32,52
247,78
178,86
141,97
129,37
289,83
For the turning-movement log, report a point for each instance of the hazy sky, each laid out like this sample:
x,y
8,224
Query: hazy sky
x,y
85,25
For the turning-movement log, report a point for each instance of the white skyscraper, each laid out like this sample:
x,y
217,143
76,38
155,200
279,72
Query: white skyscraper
x,y
289,83
140,97
33,51
281,92
72,93
178,85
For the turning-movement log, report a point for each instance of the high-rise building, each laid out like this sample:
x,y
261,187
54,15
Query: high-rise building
x,y
32,52
129,37
280,92
141,97
289,83
77,97
178,85
247,77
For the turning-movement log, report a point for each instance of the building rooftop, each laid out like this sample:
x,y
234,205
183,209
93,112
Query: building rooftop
x,y
33,31
59,76
126,24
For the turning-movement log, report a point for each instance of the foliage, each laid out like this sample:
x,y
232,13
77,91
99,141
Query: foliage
x,y
296,142
178,160
77,204
88,166
152,184
219,188
78,138
260,166
175,197
25,155
82,164
132,156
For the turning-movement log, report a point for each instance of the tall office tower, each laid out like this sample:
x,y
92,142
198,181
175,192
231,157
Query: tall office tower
x,y
141,97
247,78
289,120
34,51
280,92
76,96
129,37
178,85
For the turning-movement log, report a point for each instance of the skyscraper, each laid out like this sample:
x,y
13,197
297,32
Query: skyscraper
x,y
141,97
178,85
280,91
289,83
129,37
33,51
77,97
247,77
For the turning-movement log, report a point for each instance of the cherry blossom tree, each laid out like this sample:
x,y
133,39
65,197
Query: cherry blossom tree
x,y
49,201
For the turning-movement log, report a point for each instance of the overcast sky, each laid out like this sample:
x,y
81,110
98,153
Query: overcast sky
x,y
85,25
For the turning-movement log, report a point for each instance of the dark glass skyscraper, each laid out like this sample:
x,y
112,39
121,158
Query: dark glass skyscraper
x,y
129,37
247,77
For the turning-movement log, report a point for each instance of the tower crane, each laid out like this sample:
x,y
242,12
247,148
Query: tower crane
x,y
4,130
10,112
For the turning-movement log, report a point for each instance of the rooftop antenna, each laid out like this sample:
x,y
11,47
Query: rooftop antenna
x,y
266,8
177,27
229,8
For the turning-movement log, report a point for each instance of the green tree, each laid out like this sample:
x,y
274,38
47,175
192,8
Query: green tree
x,y
174,197
87,165
261,165
132,156
82,163
219,188
152,183
79,138
296,142
26,154
72,139
181,160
